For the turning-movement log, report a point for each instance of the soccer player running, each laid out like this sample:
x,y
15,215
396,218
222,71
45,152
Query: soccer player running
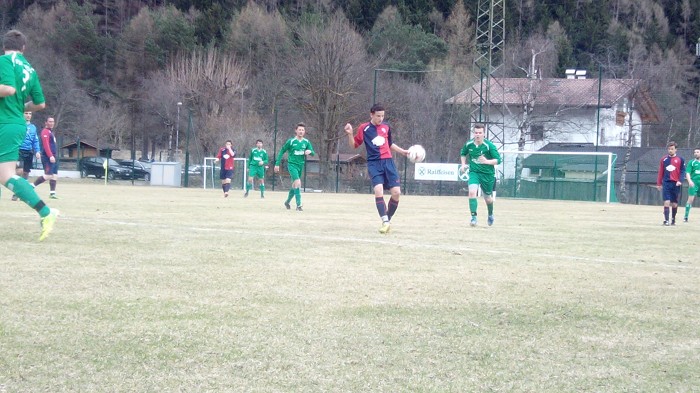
x,y
297,148
483,158
671,174
257,163
692,174
48,158
226,156
376,135
28,150
20,91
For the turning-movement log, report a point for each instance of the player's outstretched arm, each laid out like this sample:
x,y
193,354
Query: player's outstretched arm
x,y
398,149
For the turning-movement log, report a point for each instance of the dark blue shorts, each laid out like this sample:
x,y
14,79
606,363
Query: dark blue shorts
x,y
670,191
49,168
225,174
384,172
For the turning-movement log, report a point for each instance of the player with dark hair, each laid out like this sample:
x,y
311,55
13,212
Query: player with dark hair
x,y
226,156
692,174
483,157
376,135
297,148
48,158
671,174
20,91
257,163
28,150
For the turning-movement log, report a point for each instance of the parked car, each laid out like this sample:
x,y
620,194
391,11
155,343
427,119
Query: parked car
x,y
95,166
142,170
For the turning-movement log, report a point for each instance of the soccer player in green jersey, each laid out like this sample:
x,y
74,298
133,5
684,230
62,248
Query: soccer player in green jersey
x,y
20,91
692,174
298,148
257,163
483,158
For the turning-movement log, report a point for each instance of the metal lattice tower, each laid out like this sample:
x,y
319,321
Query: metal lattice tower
x,y
488,96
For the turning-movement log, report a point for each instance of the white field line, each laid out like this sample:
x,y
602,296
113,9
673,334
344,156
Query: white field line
x,y
390,240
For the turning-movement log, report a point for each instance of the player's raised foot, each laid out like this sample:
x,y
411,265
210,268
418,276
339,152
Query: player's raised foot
x,y
245,195
47,224
490,220
53,196
472,222
666,223
386,227
287,205
299,209
14,198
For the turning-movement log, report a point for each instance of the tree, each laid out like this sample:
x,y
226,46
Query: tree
x,y
329,68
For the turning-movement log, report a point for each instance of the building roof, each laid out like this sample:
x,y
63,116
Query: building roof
x,y
560,92
84,142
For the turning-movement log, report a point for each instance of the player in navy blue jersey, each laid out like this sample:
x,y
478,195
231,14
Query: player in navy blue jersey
x,y
376,135
671,174
226,156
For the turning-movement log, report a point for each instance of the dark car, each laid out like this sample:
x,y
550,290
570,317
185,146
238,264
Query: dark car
x,y
95,166
142,170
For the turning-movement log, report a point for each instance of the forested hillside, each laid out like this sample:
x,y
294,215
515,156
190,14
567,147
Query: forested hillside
x,y
113,71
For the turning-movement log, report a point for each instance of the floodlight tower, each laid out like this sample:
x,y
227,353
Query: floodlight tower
x,y
488,97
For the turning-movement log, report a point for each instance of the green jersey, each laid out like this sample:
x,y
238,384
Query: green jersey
x,y
16,71
296,149
256,157
486,149
693,169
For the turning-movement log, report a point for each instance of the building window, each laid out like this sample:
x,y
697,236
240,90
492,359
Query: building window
x,y
536,132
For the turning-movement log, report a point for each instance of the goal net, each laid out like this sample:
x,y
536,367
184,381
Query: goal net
x,y
210,173
583,176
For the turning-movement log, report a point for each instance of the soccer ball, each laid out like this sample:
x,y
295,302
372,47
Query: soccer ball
x,y
416,153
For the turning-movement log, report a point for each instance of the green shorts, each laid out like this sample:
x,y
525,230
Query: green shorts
x,y
484,180
11,137
257,171
295,171
695,191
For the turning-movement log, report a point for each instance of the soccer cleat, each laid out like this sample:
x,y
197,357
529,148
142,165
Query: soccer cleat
x,y
472,222
386,227
299,209
490,220
245,195
262,196
685,219
666,223
14,198
53,196
673,222
226,195
287,205
47,224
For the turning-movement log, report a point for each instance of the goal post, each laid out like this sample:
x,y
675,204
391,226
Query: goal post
x,y
588,176
210,173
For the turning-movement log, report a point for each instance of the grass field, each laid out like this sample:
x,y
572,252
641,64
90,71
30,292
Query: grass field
x,y
146,289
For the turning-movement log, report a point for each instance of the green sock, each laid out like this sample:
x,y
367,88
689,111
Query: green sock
x,y
472,206
297,196
290,195
687,209
25,192
262,189
490,207
248,187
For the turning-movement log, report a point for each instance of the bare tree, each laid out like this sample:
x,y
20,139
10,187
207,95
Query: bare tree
x,y
329,67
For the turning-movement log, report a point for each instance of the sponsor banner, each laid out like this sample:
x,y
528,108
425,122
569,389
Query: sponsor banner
x,y
431,171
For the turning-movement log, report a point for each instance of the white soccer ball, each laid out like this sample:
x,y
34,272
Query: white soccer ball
x,y
416,153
